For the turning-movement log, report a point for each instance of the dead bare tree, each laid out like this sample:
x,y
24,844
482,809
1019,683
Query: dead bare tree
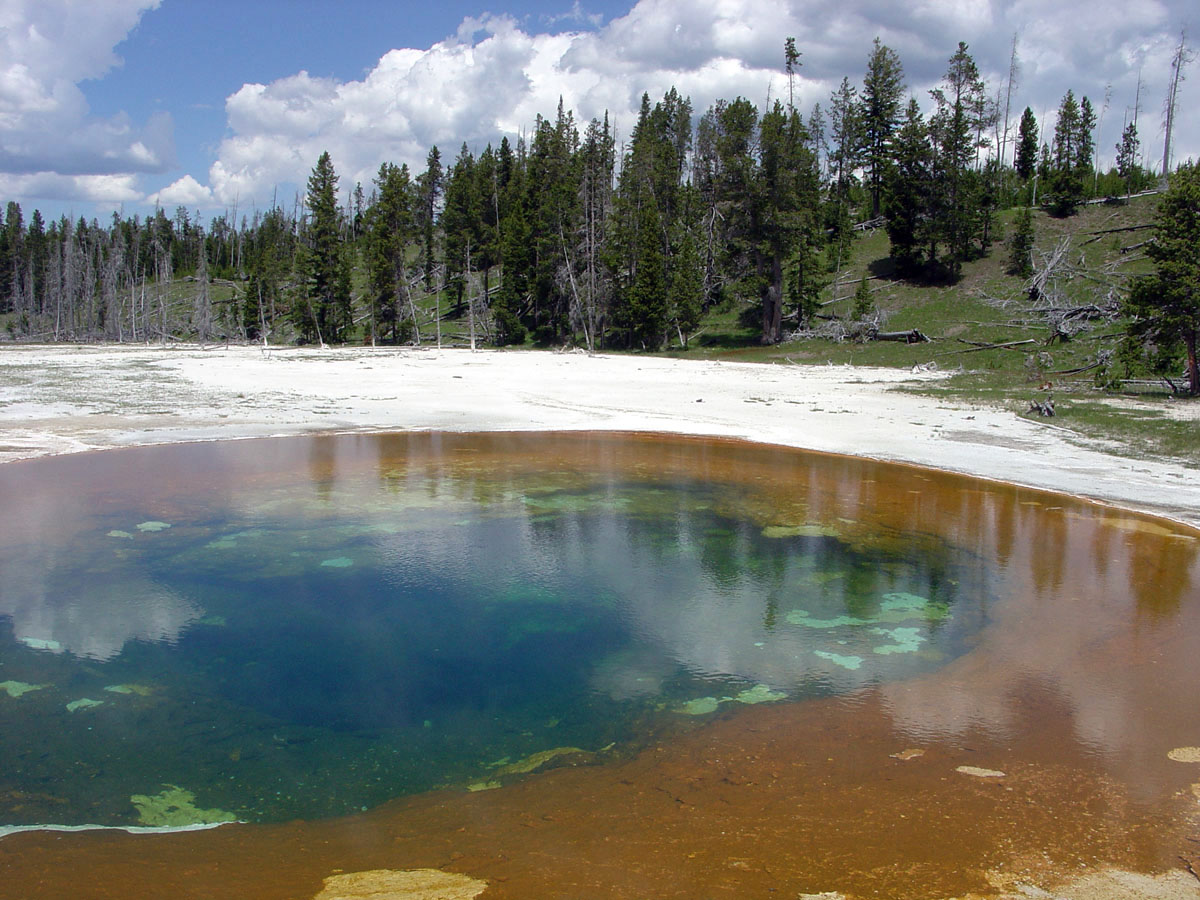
x,y
1179,61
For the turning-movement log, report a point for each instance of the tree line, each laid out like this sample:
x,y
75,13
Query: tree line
x,y
566,237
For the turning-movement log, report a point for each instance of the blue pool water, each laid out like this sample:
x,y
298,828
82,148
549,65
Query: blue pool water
x,y
269,640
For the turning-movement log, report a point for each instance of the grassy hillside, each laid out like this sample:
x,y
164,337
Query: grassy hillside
x,y
990,307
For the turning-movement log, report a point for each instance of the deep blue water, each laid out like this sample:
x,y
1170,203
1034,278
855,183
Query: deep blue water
x,y
314,646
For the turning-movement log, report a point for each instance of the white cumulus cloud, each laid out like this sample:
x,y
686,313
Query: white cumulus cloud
x,y
187,191
492,77
112,190
46,48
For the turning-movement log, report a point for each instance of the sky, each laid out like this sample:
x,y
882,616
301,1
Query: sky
x,y
223,106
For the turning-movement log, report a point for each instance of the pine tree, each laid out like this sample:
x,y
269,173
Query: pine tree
x,y
846,137
486,253
552,192
1127,156
460,219
589,270
430,186
880,116
685,292
845,157
791,62
1027,145
785,213
645,308
864,304
908,200
389,230
954,129
322,311
1020,245
1165,306
269,261
510,307
1071,163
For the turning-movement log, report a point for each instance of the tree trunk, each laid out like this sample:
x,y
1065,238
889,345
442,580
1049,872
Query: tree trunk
x,y
1190,340
772,327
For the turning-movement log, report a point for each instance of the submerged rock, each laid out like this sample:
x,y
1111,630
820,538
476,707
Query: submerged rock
x,y
175,807
760,693
903,600
153,526
83,703
401,884
476,786
802,617
906,640
339,562
41,644
538,760
140,689
701,706
17,689
1185,754
846,662
977,772
808,530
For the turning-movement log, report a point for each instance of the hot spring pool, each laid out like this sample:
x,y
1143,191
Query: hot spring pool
x,y
306,628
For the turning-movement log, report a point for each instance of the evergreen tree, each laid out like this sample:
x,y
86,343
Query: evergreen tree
x,y
1165,306
1027,145
511,304
787,201
322,309
644,312
430,186
589,271
954,128
791,62
732,168
845,157
685,293
1071,162
12,270
816,136
460,220
389,231
1020,245
864,304
486,253
552,192
908,200
1127,157
880,116
652,177
846,137
269,259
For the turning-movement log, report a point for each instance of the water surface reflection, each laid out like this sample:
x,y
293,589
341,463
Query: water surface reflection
x,y
895,608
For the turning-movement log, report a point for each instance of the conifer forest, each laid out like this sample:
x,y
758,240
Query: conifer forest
x,y
573,235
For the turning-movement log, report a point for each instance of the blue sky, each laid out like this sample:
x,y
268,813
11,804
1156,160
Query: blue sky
x,y
121,104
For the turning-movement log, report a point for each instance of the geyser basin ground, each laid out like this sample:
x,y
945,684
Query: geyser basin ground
x,y
678,667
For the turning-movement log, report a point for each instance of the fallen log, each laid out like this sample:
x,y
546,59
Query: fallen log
x,y
1096,235
1042,407
908,337
978,347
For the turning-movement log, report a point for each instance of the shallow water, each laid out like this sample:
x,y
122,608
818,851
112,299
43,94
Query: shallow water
x,y
303,628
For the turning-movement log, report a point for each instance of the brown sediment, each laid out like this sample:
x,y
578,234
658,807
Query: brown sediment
x,y
1078,688
802,797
